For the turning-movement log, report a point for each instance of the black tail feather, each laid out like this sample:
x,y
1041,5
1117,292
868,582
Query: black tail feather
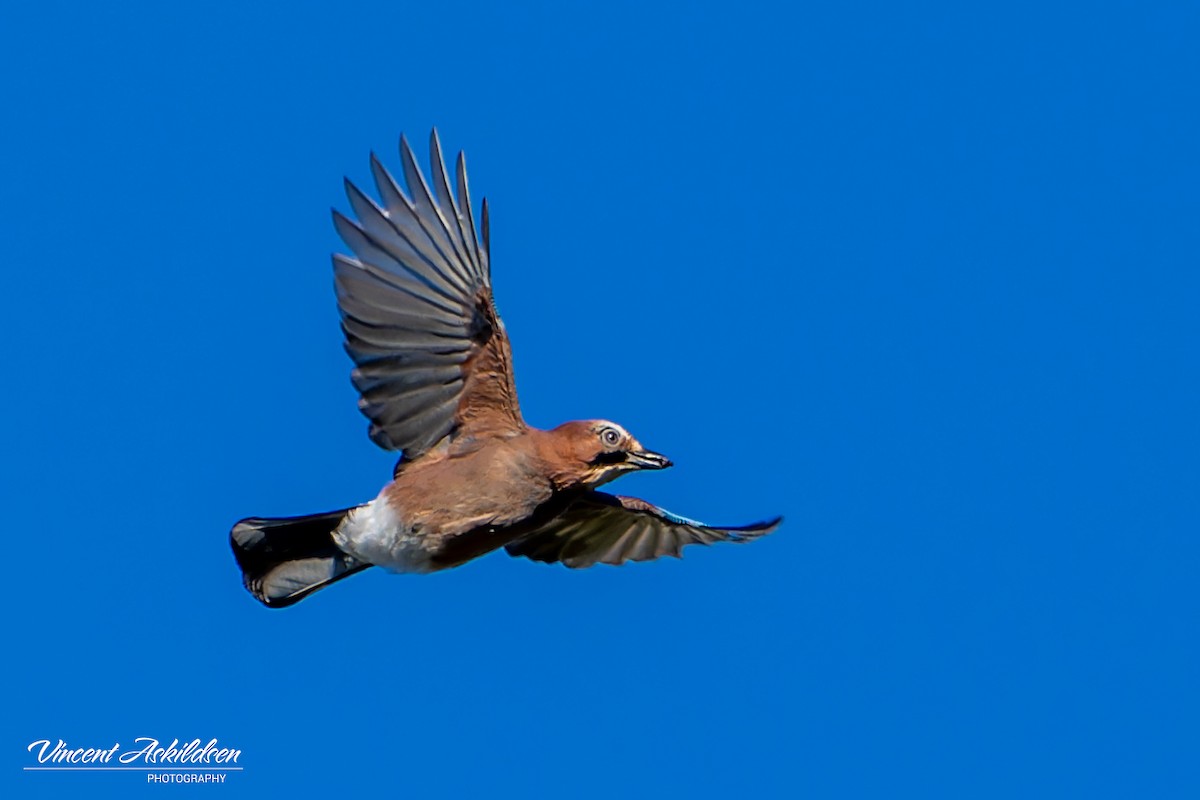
x,y
286,559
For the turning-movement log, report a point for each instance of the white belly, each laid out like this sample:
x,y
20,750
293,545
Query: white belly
x,y
374,533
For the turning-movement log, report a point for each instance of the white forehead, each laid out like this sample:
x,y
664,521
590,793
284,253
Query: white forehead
x,y
603,423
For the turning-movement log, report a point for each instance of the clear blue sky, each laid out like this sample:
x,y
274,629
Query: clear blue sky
x,y
923,279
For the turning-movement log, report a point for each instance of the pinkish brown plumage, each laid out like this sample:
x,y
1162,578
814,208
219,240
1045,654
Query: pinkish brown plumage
x,y
434,373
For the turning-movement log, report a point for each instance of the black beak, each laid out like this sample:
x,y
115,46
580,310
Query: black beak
x,y
644,459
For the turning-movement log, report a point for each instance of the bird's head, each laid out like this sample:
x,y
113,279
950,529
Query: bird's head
x,y
602,451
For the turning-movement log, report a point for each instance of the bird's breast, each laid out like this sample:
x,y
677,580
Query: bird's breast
x,y
442,513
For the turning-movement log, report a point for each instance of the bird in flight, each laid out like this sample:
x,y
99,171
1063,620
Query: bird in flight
x,y
433,369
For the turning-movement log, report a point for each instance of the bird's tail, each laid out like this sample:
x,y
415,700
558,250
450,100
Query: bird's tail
x,y
285,560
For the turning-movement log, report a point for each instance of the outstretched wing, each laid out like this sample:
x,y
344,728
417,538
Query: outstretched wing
x,y
432,358
600,528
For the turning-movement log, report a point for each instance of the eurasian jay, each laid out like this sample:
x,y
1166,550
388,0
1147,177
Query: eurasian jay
x,y
435,378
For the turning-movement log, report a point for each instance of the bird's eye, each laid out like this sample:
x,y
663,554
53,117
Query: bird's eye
x,y
610,437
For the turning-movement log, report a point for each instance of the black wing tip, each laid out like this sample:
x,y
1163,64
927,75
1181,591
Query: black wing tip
x,y
748,533
487,227
408,157
758,528
351,188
